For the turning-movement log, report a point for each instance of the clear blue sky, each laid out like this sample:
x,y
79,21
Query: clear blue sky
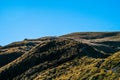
x,y
21,19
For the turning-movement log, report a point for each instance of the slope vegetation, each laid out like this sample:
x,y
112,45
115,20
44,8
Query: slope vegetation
x,y
76,56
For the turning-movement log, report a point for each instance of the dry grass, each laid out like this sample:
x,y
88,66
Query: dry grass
x,y
63,58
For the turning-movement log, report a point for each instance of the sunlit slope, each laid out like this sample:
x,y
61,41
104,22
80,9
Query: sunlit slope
x,y
75,56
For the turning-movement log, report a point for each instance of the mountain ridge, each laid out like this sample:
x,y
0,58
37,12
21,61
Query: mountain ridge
x,y
39,57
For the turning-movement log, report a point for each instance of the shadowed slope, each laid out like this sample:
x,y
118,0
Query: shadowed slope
x,y
104,42
76,56
84,68
14,50
46,55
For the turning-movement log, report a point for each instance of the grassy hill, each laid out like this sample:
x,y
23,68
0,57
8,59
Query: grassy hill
x,y
75,56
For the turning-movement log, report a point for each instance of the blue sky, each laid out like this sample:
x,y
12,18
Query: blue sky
x,y
21,19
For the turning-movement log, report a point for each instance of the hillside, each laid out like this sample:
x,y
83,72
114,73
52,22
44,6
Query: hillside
x,y
75,56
